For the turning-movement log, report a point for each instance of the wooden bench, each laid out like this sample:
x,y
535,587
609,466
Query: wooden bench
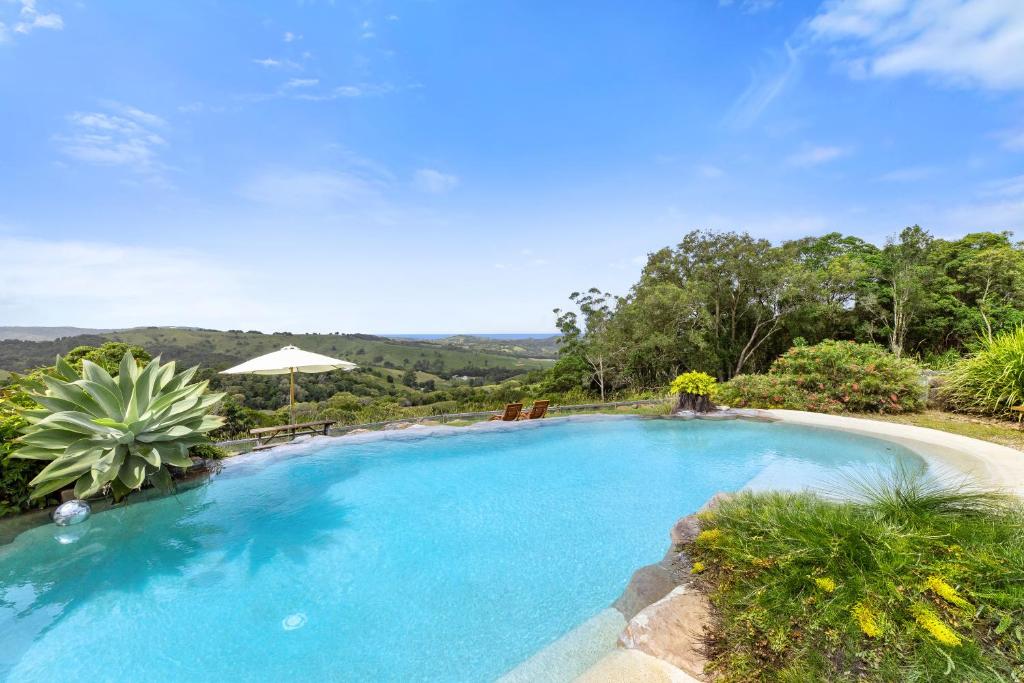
x,y
264,435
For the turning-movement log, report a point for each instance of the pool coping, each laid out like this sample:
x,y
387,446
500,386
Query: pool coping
x,y
987,464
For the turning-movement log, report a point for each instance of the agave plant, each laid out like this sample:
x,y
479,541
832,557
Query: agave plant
x,y
100,431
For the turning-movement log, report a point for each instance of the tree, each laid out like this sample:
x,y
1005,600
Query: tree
x,y
903,287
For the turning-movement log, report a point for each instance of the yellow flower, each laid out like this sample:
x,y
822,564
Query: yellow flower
x,y
931,622
867,620
826,584
697,568
708,536
946,592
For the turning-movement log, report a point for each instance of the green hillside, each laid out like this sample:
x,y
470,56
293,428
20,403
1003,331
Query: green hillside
x,y
217,350
532,347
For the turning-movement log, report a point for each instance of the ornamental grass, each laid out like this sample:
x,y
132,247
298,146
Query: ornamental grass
x,y
909,578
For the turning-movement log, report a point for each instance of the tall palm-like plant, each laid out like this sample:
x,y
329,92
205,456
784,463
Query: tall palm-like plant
x,y
105,432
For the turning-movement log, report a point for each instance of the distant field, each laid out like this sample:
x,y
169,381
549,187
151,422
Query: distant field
x,y
218,350
527,347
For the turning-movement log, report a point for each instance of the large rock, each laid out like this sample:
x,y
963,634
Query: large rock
x,y
648,585
654,581
672,629
685,530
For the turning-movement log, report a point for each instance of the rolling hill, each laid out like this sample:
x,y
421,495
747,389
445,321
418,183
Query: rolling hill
x,y
216,350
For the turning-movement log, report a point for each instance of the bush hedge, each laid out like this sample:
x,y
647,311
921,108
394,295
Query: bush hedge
x,y
831,377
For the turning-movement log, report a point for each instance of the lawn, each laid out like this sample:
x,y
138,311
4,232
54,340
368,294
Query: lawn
x,y
997,431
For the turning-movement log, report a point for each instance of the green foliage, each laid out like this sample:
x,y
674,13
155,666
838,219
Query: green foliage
x,y
697,383
991,380
99,432
207,451
831,377
916,580
108,355
728,304
773,391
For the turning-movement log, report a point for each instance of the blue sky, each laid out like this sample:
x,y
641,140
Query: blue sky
x,y
453,165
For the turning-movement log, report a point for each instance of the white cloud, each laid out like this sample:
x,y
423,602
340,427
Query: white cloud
x,y
434,181
813,156
64,282
290,37
302,82
960,42
366,29
765,86
30,18
272,63
121,136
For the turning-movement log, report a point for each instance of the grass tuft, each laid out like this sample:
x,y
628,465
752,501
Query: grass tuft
x,y
911,579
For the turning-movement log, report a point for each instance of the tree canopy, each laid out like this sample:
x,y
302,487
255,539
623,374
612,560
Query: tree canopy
x,y
728,303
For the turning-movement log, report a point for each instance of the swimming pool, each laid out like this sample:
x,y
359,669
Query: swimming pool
x,y
442,555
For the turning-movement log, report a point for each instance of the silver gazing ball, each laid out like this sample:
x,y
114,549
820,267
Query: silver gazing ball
x,y
71,512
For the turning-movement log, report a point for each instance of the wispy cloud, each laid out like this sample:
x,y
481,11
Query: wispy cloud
x,y
909,174
121,135
317,190
1012,140
272,63
814,156
710,171
749,6
433,181
28,19
290,37
766,84
960,42
302,82
366,30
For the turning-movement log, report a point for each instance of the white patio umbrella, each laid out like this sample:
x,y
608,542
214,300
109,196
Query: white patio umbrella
x,y
290,360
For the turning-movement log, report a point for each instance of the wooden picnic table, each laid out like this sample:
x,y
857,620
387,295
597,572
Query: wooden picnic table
x,y
264,435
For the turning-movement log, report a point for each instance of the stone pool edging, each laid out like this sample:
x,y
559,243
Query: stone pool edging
x,y
667,615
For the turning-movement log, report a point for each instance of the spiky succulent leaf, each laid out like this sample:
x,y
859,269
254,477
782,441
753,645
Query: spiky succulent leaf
x,y
101,432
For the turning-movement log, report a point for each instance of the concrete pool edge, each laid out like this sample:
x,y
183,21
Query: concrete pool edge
x,y
988,464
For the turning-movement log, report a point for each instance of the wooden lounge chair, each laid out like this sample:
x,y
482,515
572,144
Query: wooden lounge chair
x,y
538,410
511,414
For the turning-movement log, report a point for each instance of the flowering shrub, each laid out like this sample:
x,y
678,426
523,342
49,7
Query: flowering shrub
x,y
831,377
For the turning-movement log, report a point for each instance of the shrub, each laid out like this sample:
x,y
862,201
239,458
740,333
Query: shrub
x,y
916,580
831,377
697,383
991,380
773,391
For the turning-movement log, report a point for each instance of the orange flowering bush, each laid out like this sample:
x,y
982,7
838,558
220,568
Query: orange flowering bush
x,y
831,377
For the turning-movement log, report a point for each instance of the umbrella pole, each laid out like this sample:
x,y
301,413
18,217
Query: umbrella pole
x,y
291,394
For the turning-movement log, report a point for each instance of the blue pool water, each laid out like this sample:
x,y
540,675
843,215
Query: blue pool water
x,y
441,556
